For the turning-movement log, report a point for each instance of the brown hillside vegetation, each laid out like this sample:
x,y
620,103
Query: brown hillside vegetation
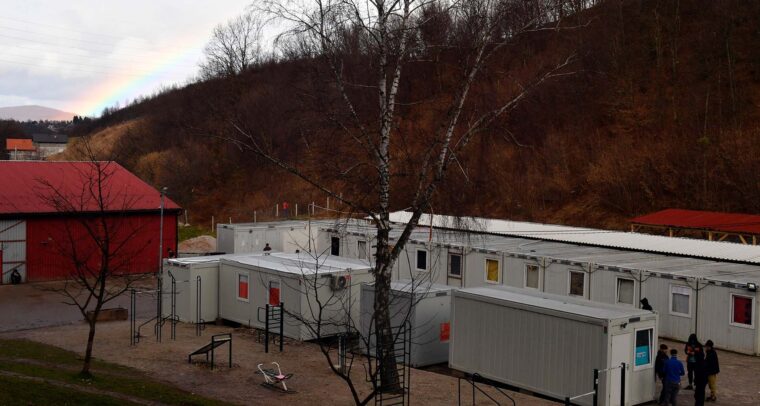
x,y
661,110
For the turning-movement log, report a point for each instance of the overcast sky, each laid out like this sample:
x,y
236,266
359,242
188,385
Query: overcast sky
x,y
83,55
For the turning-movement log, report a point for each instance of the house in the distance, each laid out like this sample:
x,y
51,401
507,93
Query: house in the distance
x,y
49,144
19,149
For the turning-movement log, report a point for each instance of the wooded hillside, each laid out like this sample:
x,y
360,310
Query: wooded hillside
x,y
659,109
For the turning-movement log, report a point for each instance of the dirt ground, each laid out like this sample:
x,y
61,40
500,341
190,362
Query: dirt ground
x,y
314,382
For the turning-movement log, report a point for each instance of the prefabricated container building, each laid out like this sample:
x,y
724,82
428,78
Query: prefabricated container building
x,y
282,236
550,344
423,307
196,288
303,283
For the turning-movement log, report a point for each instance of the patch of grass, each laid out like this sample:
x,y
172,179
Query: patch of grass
x,y
43,361
17,391
186,233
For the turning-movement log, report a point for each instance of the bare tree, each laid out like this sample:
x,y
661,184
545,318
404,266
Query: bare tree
x,y
365,47
96,241
234,47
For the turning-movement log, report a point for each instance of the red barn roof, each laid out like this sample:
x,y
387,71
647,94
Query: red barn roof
x,y
19,144
43,187
705,220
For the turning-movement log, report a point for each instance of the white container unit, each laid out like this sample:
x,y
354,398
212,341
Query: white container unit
x,y
282,236
186,272
248,283
550,344
427,309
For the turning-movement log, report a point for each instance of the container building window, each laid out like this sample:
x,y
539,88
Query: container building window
x,y
577,283
243,287
492,271
455,265
421,260
361,248
680,299
643,349
274,293
334,246
742,310
625,291
532,276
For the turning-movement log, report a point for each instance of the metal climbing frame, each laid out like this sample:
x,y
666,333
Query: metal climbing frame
x,y
274,319
134,329
397,391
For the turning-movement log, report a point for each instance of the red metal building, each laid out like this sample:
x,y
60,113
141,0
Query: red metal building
x,y
55,214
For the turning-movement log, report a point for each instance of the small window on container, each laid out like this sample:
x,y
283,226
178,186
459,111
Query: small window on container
x,y
577,283
492,271
455,265
532,276
680,298
421,260
274,293
625,291
243,287
643,349
361,248
742,310
334,246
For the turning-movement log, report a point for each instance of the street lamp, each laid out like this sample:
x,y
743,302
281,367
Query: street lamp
x,y
161,234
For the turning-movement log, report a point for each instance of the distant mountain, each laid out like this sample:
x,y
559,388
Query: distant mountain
x,y
35,113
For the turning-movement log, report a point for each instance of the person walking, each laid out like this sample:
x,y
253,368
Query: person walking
x,y
690,359
700,375
673,372
645,304
713,368
659,369
267,248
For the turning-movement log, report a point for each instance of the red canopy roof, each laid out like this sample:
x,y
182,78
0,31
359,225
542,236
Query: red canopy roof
x,y
707,220
37,187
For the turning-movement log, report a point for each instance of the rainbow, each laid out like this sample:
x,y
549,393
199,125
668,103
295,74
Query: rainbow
x,y
144,79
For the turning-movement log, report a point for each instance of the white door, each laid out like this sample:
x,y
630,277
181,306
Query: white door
x,y
622,348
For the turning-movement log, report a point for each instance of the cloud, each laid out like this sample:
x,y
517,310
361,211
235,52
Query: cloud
x,y
68,54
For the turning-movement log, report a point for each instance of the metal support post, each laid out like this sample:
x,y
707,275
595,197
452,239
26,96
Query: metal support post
x,y
596,387
622,384
282,319
266,329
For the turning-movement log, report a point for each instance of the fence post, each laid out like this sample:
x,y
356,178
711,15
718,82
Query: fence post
x,y
622,384
277,210
254,216
296,209
596,387
212,223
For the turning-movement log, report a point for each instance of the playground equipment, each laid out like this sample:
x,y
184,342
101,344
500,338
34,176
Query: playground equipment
x,y
273,377
217,340
274,317
134,329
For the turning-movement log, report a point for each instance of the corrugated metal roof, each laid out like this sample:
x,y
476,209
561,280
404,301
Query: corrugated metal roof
x,y
564,304
300,263
30,187
722,251
706,220
18,144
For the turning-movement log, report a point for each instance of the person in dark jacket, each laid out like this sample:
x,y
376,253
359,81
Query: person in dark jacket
x,y
645,305
673,373
690,359
659,369
713,368
700,375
